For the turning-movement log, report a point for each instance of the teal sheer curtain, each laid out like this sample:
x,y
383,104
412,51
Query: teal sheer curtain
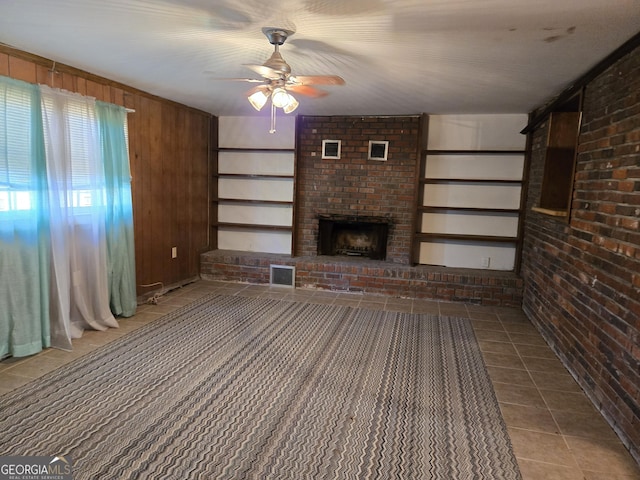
x,y
24,227
119,215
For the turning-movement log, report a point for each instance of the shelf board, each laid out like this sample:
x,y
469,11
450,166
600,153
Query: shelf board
x,y
239,149
429,181
253,202
474,238
550,211
253,226
428,209
252,176
473,152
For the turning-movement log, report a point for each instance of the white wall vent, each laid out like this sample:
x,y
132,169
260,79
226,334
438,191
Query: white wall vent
x,y
282,275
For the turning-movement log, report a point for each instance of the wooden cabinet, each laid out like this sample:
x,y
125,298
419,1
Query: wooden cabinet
x,y
559,165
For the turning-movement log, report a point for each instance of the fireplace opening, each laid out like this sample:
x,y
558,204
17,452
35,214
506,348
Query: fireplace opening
x,y
353,236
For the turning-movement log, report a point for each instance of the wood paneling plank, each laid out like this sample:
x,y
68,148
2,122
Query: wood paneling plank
x,y
4,64
22,70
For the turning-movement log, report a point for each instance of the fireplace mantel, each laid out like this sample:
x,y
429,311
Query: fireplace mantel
x,y
355,218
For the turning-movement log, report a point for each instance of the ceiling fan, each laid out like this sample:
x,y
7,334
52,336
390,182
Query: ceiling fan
x,y
277,80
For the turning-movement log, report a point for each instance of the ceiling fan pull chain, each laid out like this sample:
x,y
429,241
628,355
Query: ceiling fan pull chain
x,y
273,118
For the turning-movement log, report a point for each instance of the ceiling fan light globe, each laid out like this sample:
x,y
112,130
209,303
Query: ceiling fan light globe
x,y
293,104
258,99
280,98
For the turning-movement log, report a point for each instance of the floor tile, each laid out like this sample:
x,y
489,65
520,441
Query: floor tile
x,y
542,351
519,395
497,347
347,302
532,470
594,455
526,339
487,325
486,316
492,335
514,316
541,447
453,309
510,376
36,367
425,306
591,425
588,475
547,365
529,418
503,360
521,327
568,401
555,381
399,307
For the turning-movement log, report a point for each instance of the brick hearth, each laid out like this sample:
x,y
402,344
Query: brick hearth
x,y
358,275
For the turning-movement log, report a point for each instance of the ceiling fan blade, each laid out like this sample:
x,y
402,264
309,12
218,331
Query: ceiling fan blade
x,y
307,90
264,71
317,80
236,79
250,80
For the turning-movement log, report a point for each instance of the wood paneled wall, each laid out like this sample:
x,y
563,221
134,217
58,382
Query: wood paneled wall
x,y
169,148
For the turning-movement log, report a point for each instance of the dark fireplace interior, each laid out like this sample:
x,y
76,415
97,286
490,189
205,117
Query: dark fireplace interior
x,y
353,236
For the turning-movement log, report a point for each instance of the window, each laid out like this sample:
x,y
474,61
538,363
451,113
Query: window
x,y
17,142
76,160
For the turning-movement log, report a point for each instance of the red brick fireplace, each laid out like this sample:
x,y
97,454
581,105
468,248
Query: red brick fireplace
x,y
353,186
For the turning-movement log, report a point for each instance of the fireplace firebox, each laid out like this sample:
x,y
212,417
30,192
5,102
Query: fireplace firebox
x,y
353,236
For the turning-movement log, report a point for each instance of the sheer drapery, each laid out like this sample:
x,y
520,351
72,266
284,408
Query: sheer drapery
x,y
80,293
119,209
24,266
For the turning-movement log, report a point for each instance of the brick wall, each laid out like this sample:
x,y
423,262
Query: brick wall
x,y
353,185
582,278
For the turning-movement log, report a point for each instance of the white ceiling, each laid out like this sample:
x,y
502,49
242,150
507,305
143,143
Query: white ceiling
x,y
397,56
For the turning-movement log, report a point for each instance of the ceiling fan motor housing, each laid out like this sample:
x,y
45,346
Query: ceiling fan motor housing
x,y
277,36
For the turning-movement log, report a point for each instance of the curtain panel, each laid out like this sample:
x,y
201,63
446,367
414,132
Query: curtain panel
x,y
24,222
84,221
119,209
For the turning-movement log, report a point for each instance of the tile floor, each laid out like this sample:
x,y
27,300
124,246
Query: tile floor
x,y
555,431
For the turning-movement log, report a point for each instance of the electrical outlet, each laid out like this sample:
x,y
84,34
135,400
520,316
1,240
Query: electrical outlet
x,y
174,252
485,261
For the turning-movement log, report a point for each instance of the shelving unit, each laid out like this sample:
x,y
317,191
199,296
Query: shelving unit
x,y
469,201
246,200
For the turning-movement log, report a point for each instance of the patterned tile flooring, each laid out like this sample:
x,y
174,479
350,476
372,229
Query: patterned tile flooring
x,y
556,432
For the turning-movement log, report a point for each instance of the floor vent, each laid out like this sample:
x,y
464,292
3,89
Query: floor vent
x,y
282,275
